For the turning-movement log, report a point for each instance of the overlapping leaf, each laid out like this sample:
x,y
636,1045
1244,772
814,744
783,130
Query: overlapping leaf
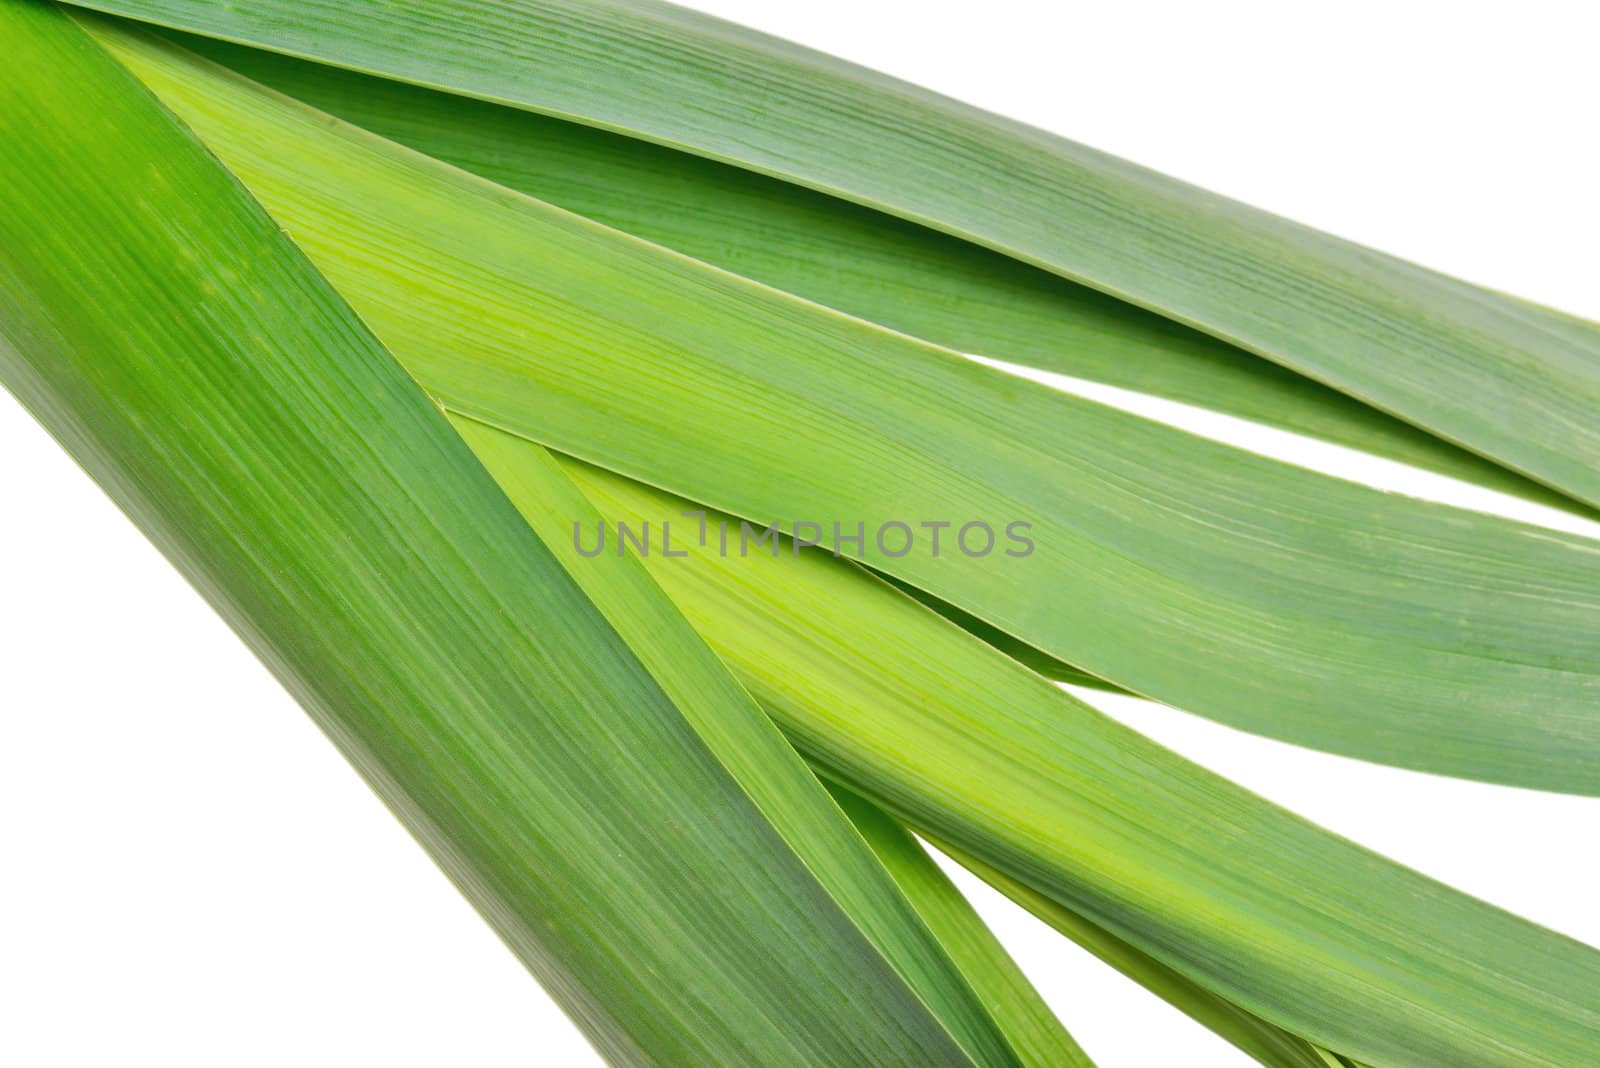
x,y
1289,923
1260,594
581,762
619,586
1503,378
874,266
975,993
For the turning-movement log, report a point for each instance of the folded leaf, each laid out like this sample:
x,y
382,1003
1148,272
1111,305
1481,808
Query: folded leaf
x,y
1243,589
1503,378
673,876
871,265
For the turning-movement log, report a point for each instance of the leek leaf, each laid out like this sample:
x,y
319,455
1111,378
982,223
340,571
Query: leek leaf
x,y
1239,588
623,589
1504,378
874,266
690,673
1290,923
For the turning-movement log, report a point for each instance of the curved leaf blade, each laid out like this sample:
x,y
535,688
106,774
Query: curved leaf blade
x,y
1286,921
1270,598
1503,378
621,588
864,263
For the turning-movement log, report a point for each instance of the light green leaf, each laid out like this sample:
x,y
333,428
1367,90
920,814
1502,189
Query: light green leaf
x,y
1503,378
1288,922
621,587
1250,591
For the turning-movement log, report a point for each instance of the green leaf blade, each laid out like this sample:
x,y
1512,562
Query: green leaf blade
x,y
1500,377
864,263
1267,597
1286,921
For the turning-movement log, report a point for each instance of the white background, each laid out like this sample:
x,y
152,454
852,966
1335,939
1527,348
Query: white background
x,y
192,876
